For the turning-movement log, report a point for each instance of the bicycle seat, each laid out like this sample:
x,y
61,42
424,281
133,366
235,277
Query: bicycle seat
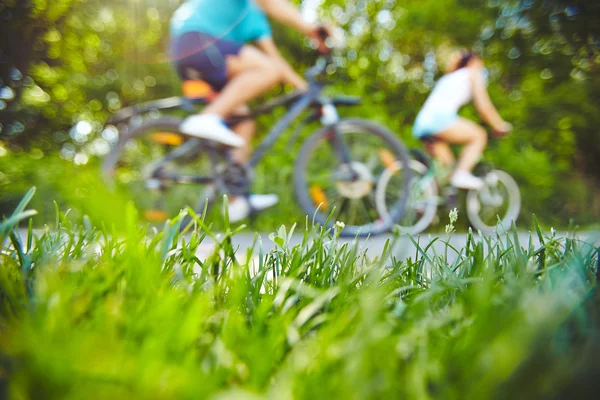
x,y
198,91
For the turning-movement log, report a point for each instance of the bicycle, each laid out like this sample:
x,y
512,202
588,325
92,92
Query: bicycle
x,y
335,173
495,206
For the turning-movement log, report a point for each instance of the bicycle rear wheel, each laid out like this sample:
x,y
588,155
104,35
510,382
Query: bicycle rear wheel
x,y
130,167
322,182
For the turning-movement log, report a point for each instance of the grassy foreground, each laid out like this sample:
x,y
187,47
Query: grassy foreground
x,y
86,313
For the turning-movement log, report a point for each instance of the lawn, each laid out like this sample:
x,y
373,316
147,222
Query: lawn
x,y
87,311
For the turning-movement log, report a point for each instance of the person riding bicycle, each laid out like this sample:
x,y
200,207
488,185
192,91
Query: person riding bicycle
x,y
211,41
439,125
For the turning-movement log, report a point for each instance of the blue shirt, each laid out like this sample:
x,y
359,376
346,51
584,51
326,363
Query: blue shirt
x,y
239,21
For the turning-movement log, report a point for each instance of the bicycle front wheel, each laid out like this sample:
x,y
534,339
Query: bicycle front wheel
x,y
496,205
335,191
423,197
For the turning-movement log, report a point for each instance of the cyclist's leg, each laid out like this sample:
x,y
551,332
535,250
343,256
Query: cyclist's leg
x,y
251,73
290,76
217,62
239,73
247,130
469,134
246,61
441,151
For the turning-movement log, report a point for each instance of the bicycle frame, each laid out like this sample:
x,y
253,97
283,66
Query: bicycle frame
x,y
449,197
299,104
303,103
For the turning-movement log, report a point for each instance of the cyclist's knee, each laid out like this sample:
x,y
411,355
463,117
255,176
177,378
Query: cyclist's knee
x,y
479,135
482,137
273,71
243,109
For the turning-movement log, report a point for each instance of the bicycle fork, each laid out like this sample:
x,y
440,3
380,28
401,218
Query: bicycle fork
x,y
330,119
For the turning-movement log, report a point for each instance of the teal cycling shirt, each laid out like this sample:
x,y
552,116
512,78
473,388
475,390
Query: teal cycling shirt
x,y
239,21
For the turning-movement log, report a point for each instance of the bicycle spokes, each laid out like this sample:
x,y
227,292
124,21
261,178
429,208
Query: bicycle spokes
x,y
422,200
347,189
151,170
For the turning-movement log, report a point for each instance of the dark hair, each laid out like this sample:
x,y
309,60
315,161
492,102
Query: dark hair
x,y
465,58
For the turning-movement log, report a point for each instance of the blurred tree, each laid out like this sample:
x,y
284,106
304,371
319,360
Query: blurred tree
x,y
572,24
26,26
97,57
567,36
65,65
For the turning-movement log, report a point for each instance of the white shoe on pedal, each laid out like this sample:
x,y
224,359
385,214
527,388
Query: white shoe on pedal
x,y
211,127
260,202
240,207
466,180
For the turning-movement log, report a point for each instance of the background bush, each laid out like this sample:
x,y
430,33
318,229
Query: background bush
x,y
69,61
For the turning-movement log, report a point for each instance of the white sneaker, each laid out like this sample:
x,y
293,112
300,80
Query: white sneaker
x,y
211,127
466,180
239,208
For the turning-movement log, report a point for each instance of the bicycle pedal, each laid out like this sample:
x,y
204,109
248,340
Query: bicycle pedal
x,y
452,201
491,179
451,191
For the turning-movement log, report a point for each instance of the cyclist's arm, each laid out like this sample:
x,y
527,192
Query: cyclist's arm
x,y
482,100
290,76
288,14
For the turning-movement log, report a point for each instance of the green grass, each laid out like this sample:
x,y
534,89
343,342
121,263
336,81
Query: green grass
x,y
91,312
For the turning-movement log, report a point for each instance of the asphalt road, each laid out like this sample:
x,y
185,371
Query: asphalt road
x,y
403,247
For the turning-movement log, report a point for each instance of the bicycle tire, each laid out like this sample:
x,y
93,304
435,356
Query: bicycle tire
x,y
307,202
512,213
112,158
166,124
430,191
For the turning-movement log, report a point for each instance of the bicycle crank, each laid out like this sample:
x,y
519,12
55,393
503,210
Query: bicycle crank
x,y
235,179
490,199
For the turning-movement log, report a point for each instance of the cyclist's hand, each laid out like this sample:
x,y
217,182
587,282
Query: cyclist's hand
x,y
320,33
504,129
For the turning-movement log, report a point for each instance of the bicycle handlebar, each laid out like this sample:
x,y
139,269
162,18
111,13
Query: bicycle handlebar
x,y
316,70
323,34
498,134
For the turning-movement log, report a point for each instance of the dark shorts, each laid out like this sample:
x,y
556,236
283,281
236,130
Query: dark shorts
x,y
430,139
198,56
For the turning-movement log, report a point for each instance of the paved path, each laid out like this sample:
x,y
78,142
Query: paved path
x,y
403,247
374,245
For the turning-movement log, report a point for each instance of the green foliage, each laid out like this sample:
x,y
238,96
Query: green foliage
x,y
80,71
572,25
77,61
89,313
548,91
